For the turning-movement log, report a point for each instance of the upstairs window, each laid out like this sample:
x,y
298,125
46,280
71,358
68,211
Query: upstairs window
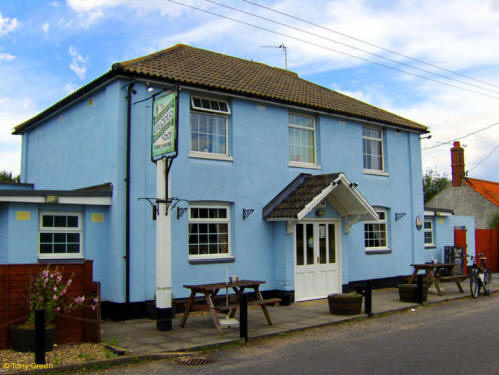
x,y
372,140
375,232
60,235
301,139
209,126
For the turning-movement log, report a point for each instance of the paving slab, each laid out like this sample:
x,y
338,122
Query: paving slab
x,y
140,336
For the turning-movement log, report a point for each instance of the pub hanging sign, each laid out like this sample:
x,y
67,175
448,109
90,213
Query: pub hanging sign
x,y
164,129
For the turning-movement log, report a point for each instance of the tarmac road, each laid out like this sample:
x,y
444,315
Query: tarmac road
x,y
458,337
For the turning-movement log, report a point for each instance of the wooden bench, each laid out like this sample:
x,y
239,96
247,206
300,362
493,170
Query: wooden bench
x,y
456,278
232,306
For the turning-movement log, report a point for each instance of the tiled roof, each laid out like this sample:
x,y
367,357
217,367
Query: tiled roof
x,y
488,189
198,67
293,199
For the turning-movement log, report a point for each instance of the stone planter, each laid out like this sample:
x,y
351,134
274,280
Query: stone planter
x,y
345,304
409,292
22,338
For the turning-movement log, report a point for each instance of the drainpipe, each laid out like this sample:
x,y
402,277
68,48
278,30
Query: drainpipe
x,y
130,91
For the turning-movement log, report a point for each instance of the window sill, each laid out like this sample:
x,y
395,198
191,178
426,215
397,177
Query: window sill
x,y
430,247
378,251
375,172
46,259
207,155
298,164
211,260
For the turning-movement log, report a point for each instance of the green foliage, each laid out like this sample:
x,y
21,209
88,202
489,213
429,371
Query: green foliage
x,y
7,177
433,183
494,221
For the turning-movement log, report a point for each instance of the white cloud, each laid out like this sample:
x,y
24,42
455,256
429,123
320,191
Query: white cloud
x,y
7,25
54,4
78,63
6,57
70,87
46,27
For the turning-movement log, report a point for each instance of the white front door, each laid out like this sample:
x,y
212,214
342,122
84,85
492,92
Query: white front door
x,y
317,259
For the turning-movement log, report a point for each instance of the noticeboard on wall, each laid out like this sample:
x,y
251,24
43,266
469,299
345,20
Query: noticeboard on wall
x,y
164,127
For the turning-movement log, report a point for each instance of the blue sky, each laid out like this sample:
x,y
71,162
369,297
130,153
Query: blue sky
x,y
50,48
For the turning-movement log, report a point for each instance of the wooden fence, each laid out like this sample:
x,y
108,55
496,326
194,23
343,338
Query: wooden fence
x,y
486,243
82,325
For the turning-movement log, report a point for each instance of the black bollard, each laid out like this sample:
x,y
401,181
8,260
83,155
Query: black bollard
x,y
419,291
40,337
368,302
243,317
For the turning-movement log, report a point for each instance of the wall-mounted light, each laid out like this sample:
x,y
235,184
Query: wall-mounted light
x,y
399,215
247,212
354,185
149,87
181,211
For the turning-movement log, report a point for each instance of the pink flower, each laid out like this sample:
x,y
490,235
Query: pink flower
x,y
59,278
40,299
68,283
45,280
57,309
96,300
92,307
54,288
79,299
63,292
54,297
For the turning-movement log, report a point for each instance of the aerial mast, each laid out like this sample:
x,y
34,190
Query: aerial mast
x,y
285,49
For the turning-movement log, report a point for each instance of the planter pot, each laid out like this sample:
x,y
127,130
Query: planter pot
x,y
409,292
345,304
22,339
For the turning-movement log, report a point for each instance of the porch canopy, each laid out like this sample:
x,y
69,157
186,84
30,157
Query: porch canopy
x,y
307,191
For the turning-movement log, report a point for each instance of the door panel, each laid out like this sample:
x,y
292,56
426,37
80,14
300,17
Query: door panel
x,y
316,268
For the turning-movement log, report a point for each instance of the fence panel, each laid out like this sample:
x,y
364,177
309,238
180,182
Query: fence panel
x,y
486,242
77,326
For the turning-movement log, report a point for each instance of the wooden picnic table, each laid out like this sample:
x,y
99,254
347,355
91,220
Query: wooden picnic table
x,y
432,274
210,291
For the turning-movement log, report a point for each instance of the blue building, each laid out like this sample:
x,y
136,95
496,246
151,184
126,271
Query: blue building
x,y
275,178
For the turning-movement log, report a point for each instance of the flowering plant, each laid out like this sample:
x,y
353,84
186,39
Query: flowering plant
x,y
49,292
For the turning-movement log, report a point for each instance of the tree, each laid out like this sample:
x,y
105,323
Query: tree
x,y
433,183
7,177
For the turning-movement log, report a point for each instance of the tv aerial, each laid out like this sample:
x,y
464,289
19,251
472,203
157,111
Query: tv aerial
x,y
285,49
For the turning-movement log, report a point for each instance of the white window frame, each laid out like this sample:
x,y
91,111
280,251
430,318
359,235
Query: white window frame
x,y
428,230
370,170
379,221
226,220
210,112
302,164
42,229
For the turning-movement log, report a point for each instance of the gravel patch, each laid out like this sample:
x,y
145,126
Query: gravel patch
x,y
60,355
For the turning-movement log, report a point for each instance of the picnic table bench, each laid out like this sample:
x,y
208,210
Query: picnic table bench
x,y
431,274
211,290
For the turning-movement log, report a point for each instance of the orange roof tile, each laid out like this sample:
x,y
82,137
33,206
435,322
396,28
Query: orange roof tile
x,y
488,189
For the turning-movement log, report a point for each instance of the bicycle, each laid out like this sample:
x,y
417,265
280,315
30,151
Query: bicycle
x,y
480,276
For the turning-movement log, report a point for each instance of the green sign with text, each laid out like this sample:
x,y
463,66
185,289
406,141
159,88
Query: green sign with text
x,y
164,127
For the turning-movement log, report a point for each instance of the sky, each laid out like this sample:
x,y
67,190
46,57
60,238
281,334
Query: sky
x,y
434,62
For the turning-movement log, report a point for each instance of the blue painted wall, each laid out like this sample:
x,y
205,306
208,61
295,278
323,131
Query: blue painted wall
x,y
259,170
444,235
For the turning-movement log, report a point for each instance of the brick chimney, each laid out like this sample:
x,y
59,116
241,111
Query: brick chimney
x,y
457,164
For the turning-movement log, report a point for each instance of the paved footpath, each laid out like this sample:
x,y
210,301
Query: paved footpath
x,y
140,336
460,337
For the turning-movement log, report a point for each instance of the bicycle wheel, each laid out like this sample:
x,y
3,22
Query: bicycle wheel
x,y
474,286
487,282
